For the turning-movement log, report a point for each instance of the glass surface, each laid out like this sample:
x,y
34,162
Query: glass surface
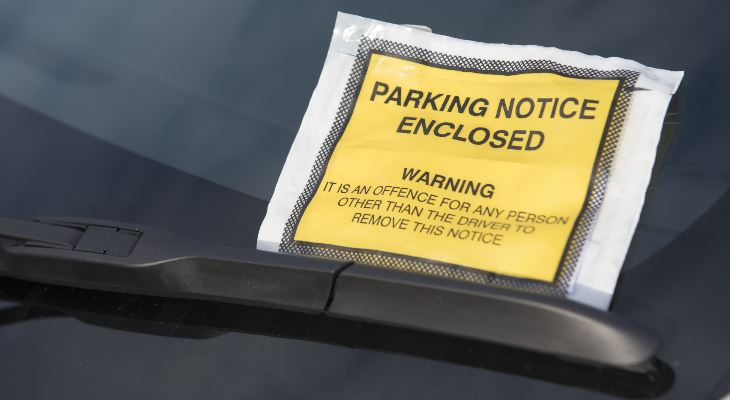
x,y
180,114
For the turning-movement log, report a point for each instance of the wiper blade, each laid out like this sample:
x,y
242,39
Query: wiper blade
x,y
200,320
126,258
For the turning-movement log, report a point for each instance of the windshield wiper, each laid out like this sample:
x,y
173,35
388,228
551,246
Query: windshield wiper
x,y
201,320
126,258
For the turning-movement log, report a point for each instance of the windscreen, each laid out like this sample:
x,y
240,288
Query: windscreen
x,y
216,90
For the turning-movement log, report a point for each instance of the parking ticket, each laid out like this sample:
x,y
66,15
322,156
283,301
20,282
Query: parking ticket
x,y
515,166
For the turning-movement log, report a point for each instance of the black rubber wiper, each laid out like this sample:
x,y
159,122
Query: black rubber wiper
x,y
126,258
201,320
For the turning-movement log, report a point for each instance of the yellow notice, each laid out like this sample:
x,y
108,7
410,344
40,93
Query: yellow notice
x,y
483,170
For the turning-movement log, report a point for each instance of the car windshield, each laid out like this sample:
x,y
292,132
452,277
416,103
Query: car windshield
x,y
180,115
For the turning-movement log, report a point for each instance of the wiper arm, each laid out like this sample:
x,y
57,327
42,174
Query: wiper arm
x,y
126,258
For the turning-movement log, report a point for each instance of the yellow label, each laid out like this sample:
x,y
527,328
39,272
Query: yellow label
x,y
481,170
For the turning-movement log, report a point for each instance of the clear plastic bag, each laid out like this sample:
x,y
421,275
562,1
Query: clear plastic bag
x,y
517,166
